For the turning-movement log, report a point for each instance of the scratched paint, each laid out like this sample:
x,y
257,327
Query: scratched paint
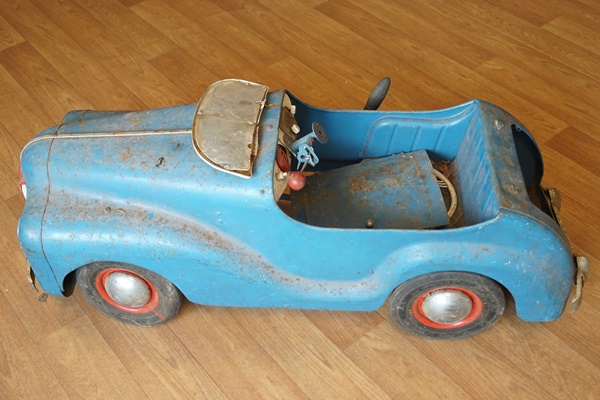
x,y
129,187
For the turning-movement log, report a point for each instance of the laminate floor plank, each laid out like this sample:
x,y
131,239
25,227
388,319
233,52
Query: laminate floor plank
x,y
72,351
562,75
72,61
24,374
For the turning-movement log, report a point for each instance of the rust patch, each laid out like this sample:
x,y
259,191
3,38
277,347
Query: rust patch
x,y
443,166
395,192
125,154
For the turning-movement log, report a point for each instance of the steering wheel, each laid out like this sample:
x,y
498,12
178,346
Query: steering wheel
x,y
378,94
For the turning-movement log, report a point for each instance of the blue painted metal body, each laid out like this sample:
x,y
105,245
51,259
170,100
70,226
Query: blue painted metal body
x,y
129,187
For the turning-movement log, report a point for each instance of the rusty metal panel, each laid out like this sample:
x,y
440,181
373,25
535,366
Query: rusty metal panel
x,y
394,192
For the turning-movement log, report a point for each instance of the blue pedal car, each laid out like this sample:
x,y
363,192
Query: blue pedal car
x,y
257,199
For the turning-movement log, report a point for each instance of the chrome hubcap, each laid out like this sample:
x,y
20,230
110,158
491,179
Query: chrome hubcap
x,y
447,306
127,290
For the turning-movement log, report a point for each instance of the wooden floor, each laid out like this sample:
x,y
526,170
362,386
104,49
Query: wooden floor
x,y
538,59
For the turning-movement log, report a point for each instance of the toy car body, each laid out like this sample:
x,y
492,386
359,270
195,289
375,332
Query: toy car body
x,y
196,194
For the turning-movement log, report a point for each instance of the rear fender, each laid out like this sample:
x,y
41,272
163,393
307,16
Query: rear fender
x,y
531,261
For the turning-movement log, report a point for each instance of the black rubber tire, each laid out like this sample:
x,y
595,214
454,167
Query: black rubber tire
x,y
405,297
164,307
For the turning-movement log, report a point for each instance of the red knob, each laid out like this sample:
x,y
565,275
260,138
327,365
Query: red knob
x,y
296,180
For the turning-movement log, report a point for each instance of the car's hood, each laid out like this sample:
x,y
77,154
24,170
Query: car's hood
x,y
150,146
162,119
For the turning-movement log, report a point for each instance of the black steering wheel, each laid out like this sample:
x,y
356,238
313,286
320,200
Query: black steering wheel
x,y
378,94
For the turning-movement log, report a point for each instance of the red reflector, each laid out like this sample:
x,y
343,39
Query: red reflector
x,y
22,184
21,179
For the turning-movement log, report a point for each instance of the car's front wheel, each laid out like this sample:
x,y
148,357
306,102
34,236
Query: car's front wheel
x,y
447,305
129,293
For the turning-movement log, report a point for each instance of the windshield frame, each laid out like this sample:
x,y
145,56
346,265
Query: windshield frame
x,y
225,125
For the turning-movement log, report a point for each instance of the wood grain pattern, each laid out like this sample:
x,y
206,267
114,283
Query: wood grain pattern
x,y
537,59
8,35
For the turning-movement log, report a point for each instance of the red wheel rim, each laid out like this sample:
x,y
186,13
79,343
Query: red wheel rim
x,y
419,314
101,288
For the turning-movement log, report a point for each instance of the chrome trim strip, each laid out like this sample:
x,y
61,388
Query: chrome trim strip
x,y
101,135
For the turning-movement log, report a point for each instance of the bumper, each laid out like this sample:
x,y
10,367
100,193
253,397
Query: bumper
x,y
582,264
583,272
31,278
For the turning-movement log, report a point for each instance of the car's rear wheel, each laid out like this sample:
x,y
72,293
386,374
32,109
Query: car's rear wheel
x,y
447,305
129,293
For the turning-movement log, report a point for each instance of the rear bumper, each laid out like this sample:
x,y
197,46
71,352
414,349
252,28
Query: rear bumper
x,y
583,273
582,264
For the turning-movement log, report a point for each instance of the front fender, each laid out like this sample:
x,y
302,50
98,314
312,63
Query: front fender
x,y
34,161
80,229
